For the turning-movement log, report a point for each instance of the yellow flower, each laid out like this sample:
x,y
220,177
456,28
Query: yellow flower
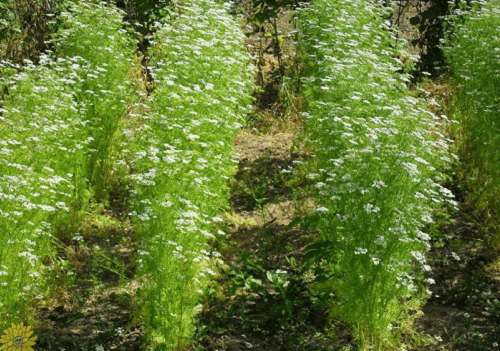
x,y
17,338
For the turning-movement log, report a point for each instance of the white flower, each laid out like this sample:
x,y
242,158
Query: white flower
x,y
423,236
427,219
190,214
369,208
378,183
421,160
143,217
419,256
360,251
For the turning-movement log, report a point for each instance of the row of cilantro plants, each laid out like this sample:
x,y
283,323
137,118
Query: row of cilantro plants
x,y
377,168
76,124
473,53
201,97
57,124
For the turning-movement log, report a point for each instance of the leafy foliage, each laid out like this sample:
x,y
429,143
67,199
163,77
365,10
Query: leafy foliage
x,y
25,27
278,303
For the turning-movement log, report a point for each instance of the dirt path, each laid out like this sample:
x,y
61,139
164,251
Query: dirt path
x,y
261,300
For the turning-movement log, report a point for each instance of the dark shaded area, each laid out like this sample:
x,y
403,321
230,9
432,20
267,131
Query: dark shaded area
x,y
77,331
425,16
142,14
263,317
268,26
463,310
421,22
119,202
262,182
93,288
253,306
25,26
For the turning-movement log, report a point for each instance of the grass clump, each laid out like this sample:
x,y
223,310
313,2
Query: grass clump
x,y
377,155
183,160
473,56
58,123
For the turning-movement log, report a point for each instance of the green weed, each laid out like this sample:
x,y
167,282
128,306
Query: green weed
x,y
275,303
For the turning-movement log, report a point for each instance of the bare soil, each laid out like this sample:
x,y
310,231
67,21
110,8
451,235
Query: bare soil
x,y
91,295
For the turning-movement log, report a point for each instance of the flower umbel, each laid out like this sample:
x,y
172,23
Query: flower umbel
x,y
18,337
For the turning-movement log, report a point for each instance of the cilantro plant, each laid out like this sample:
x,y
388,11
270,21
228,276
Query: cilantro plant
x,y
376,168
